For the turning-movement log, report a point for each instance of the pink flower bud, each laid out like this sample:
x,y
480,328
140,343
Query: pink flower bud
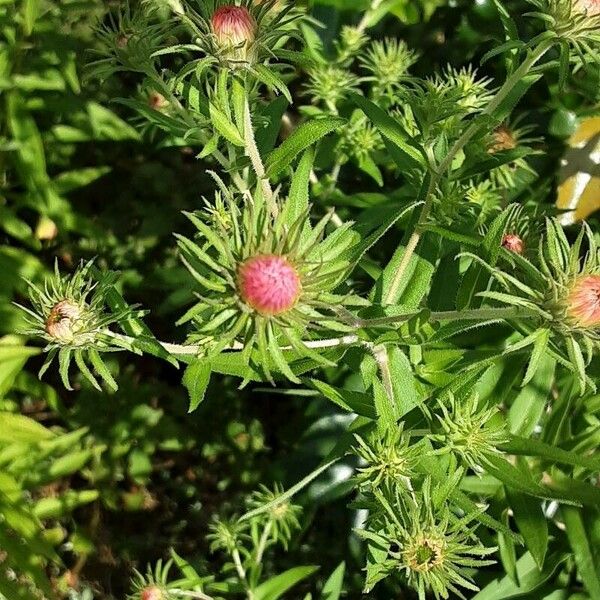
x,y
269,284
591,7
61,323
233,26
151,593
502,139
583,303
513,243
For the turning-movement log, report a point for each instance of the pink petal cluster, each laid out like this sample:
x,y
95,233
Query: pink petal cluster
x,y
152,593
61,320
584,301
513,243
233,25
269,284
591,7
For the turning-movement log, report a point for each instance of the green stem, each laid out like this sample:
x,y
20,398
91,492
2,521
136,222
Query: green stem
x,y
257,164
534,57
262,545
477,314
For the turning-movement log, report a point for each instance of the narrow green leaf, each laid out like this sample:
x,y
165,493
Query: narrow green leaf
x,y
587,568
274,588
527,408
529,576
301,139
225,127
334,585
196,379
532,524
534,447
357,402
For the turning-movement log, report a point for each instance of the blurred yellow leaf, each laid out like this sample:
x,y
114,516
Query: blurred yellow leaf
x,y
579,191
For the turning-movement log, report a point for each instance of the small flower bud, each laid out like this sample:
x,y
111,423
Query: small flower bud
x,y
583,302
151,593
590,7
157,101
235,30
503,139
62,322
269,284
46,229
513,243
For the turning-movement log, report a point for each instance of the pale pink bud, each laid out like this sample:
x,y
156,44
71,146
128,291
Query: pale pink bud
x,y
513,243
46,229
591,7
233,26
269,284
503,139
157,101
61,323
583,303
152,593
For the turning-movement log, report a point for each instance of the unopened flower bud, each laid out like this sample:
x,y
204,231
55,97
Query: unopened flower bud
x,y
62,322
513,243
235,30
590,7
503,139
152,593
157,101
46,229
583,302
269,284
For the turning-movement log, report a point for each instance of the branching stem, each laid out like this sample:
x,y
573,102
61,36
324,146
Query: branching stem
x,y
439,172
478,314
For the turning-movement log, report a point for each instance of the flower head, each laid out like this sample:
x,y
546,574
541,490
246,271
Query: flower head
x,y
72,315
242,34
387,462
234,28
153,585
430,546
151,593
282,518
583,302
513,243
64,321
561,288
269,284
469,430
590,7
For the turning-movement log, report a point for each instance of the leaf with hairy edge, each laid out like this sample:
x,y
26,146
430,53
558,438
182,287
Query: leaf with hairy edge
x,y
298,198
301,139
196,379
357,402
225,127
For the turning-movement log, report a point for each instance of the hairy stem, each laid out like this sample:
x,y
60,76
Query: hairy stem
x,y
477,314
257,164
478,123
262,545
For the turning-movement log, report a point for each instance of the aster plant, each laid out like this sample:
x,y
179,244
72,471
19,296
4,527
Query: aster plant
x,y
366,298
